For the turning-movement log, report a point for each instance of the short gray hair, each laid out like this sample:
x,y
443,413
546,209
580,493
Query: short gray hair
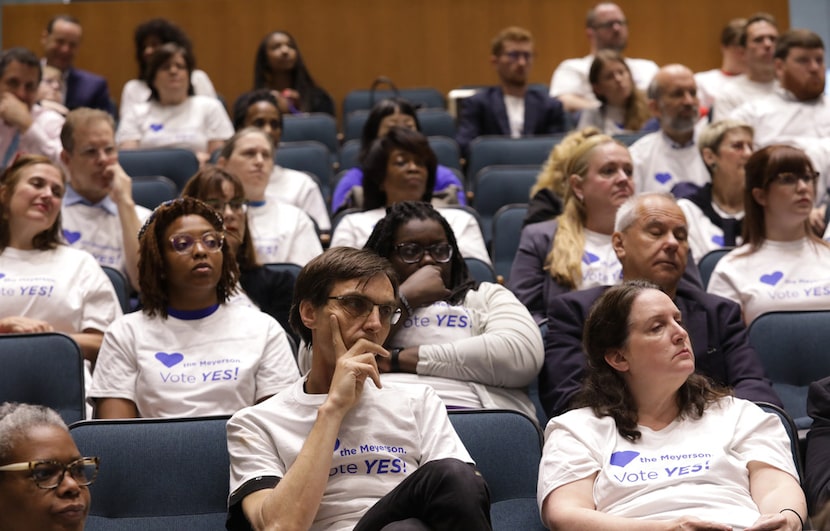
x,y
16,419
627,213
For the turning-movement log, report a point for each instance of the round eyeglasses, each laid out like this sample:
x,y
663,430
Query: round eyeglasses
x,y
49,474
412,253
359,307
183,243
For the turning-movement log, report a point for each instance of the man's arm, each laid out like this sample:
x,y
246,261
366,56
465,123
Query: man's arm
x,y
122,196
469,123
293,503
817,471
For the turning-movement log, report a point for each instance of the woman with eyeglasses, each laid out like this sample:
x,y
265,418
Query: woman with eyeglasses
x,y
400,166
43,477
475,344
782,264
187,352
262,288
174,117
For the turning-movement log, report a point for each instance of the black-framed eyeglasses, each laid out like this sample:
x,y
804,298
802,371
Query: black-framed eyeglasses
x,y
791,178
610,24
358,306
211,241
412,253
49,474
515,55
236,205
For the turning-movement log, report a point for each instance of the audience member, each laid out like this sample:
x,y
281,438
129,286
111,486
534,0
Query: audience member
x,y
148,37
474,343
782,264
60,40
259,287
174,117
400,166
188,353
283,469
511,108
50,90
279,67
98,213
715,213
711,82
758,40
574,250
656,446
259,108
606,28
43,478
25,126
388,113
281,232
623,107
47,286
668,160
650,241
816,471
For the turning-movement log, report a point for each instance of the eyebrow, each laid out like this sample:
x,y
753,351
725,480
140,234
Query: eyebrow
x,y
355,293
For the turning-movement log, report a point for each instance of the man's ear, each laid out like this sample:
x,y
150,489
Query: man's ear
x,y
65,157
617,245
654,108
616,359
308,314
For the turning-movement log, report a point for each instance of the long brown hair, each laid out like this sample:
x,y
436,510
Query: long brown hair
x,y
44,240
636,105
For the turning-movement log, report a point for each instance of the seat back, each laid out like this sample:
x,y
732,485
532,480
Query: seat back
x,y
308,156
436,122
349,154
507,229
120,285
793,350
365,99
44,369
507,448
630,138
792,433
157,474
353,124
151,191
708,262
317,126
500,150
496,186
481,271
176,164
446,151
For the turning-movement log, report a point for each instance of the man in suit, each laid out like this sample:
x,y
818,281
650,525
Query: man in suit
x,y
510,109
650,242
60,40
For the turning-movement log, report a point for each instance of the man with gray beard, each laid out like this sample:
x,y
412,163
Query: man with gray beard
x,y
668,160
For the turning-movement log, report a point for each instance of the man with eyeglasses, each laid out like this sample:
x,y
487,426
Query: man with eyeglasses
x,y
43,477
338,451
99,214
510,108
606,28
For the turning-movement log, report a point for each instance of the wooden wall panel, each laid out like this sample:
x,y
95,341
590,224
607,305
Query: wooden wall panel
x,y
347,43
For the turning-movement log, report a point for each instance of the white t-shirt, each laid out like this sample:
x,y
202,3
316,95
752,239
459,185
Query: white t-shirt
x,y
710,84
737,91
282,233
779,118
690,467
610,120
188,125
354,230
660,164
42,138
215,365
137,91
703,235
779,276
299,189
515,107
64,287
571,76
600,265
98,232
387,436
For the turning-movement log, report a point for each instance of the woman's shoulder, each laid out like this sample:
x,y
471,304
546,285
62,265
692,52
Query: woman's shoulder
x,y
579,421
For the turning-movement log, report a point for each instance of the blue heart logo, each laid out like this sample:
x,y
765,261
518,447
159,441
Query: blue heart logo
x,y
169,359
663,178
589,258
156,127
71,237
717,240
773,278
623,458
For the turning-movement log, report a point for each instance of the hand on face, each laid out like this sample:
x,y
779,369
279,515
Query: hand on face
x,y
353,366
425,286
15,112
122,184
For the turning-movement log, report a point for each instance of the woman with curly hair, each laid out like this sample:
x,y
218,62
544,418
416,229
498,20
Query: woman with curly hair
x,y
188,353
654,446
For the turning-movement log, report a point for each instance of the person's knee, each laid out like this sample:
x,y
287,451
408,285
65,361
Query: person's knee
x,y
456,474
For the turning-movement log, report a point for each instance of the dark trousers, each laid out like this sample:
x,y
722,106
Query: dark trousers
x,y
442,495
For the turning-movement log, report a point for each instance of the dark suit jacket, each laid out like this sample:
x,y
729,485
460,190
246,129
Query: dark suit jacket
x,y
485,114
716,329
817,465
85,89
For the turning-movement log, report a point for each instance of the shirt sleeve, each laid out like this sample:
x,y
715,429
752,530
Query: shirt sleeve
x,y
470,239
202,86
217,124
760,436
44,135
305,244
116,370
438,438
345,233
129,125
278,369
101,306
